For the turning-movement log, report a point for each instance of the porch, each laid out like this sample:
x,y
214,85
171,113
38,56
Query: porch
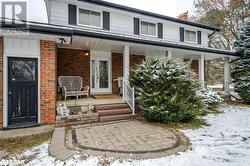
x,y
100,62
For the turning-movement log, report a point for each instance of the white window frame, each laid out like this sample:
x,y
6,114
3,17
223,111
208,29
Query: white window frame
x,y
91,26
196,38
156,31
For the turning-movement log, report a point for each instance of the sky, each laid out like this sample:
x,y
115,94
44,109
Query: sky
x,y
171,8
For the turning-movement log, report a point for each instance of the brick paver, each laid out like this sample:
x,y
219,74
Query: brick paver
x,y
132,139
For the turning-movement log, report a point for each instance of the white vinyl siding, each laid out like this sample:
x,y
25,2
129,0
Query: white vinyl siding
x,y
121,22
148,28
59,13
190,36
90,18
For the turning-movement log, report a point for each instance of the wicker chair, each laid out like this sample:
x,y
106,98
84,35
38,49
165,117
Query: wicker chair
x,y
72,86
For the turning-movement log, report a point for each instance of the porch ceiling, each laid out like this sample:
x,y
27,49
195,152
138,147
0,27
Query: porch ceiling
x,y
88,43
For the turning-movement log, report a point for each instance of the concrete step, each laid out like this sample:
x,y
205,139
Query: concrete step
x,y
111,106
57,147
114,112
115,117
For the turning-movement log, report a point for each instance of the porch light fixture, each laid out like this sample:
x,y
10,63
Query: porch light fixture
x,y
86,53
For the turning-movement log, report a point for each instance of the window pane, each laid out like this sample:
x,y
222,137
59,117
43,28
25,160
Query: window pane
x,y
23,71
84,17
190,36
187,35
152,29
193,36
104,75
144,28
95,19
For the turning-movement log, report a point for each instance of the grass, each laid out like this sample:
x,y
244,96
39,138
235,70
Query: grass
x,y
240,104
193,124
19,144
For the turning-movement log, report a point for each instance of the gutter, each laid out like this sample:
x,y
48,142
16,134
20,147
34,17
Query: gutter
x,y
70,32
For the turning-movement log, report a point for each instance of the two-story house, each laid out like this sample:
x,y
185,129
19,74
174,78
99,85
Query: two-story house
x,y
98,41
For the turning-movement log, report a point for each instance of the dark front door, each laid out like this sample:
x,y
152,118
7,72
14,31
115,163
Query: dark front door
x,y
22,91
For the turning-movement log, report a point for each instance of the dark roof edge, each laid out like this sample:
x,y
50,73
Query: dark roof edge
x,y
143,12
70,32
50,30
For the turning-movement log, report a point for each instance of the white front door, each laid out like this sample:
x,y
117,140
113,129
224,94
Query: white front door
x,y
100,72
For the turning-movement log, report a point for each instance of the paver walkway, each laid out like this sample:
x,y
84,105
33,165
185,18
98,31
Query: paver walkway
x,y
127,139
57,147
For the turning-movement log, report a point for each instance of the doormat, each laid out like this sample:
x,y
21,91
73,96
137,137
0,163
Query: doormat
x,y
105,96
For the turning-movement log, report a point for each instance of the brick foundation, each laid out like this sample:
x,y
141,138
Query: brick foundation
x,y
48,82
1,82
74,62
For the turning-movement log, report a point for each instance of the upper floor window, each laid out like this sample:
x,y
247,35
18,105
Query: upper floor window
x,y
148,28
190,36
91,18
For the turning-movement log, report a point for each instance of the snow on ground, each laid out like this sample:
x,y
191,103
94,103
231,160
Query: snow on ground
x,y
219,86
225,142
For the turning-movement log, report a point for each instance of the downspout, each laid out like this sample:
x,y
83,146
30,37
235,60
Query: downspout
x,y
212,34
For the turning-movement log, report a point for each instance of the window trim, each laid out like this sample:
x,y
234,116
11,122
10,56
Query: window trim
x,y
90,26
156,29
196,36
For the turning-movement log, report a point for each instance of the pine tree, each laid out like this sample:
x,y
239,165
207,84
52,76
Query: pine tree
x,y
241,73
167,91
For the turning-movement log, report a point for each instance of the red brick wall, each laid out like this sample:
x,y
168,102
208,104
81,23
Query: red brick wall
x,y
1,82
194,65
48,82
72,62
135,60
117,71
117,67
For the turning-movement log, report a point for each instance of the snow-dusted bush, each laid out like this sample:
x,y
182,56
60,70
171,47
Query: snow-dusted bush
x,y
167,91
211,99
241,72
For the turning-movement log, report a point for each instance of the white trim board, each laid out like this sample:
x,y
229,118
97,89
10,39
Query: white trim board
x,y
102,56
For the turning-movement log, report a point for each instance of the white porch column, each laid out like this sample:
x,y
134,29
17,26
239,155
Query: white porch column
x,y
202,71
170,54
227,75
126,62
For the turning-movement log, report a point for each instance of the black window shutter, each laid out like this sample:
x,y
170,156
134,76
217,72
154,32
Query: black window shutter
x,y
106,20
181,34
199,37
72,14
160,30
136,26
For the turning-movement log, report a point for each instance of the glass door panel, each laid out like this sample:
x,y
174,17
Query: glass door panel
x,y
103,74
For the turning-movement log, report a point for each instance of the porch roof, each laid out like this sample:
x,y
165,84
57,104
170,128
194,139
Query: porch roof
x,y
101,34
